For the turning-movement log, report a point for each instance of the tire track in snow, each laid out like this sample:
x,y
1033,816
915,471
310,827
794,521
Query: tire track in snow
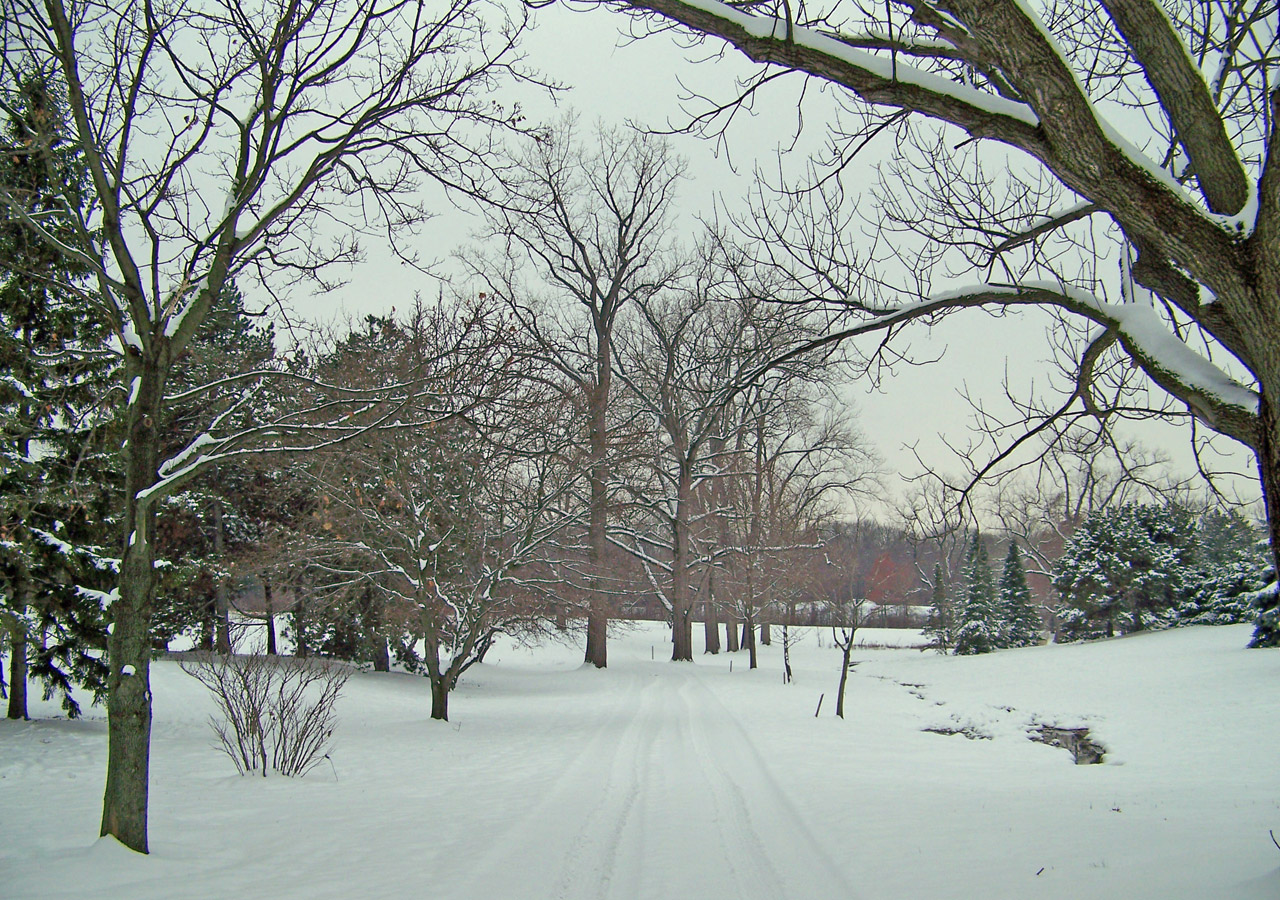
x,y
669,798
789,859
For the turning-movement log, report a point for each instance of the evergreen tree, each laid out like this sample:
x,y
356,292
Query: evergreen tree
x,y
1020,624
939,626
1125,570
978,626
1232,572
219,516
57,466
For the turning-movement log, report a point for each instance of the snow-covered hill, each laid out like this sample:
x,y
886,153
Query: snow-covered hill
x,y
661,780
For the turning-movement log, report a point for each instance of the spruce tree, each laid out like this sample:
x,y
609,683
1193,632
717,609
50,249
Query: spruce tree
x,y
939,626
1020,624
978,626
57,465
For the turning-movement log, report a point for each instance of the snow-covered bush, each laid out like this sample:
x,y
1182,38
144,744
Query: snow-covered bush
x,y
275,712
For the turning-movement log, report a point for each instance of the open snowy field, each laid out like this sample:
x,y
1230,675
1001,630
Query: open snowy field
x,y
658,780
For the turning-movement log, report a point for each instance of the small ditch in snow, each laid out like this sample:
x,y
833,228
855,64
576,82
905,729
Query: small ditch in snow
x,y
1085,750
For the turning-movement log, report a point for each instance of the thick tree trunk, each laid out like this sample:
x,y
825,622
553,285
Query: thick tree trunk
x,y
381,655
711,623
124,804
1267,629
766,639
17,675
597,652
749,640
439,700
731,634
681,605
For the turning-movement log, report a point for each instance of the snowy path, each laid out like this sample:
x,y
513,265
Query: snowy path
x,y
669,797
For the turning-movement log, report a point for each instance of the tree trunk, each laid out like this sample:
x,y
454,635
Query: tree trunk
x,y
267,600
731,634
18,674
711,623
124,803
598,435
1267,629
206,628
765,638
381,655
681,605
222,602
439,682
300,649
439,700
749,639
23,595
847,647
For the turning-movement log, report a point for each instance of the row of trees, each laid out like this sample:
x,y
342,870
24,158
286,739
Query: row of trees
x,y
1114,164
217,142
427,490
1126,568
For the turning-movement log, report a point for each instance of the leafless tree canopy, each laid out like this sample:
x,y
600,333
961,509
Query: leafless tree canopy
x,y
1117,161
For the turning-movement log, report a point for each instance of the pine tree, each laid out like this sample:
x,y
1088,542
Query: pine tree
x,y
939,626
978,626
1019,622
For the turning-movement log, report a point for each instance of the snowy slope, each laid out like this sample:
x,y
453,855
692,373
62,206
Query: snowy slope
x,y
658,780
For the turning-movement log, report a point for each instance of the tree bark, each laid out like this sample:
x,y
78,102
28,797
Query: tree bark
x,y
847,648
124,804
681,605
597,651
23,595
300,648
440,682
1267,631
270,618
222,602
731,634
765,637
711,622
381,654
17,675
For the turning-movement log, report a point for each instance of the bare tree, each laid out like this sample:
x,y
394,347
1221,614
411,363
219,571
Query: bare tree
x,y
696,368
224,139
1122,167
585,227
439,521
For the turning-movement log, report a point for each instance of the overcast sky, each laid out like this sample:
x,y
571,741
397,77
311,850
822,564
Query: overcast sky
x,y
615,80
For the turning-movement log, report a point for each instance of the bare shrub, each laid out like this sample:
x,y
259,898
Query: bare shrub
x,y
274,712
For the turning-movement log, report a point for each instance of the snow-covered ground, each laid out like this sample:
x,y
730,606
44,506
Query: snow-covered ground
x,y
658,780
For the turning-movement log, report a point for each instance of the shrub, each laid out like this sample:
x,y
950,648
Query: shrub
x,y
273,712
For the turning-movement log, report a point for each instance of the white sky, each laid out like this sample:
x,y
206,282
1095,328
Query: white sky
x,y
616,80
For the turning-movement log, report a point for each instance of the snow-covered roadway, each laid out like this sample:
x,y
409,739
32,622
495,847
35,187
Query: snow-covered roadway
x,y
668,798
